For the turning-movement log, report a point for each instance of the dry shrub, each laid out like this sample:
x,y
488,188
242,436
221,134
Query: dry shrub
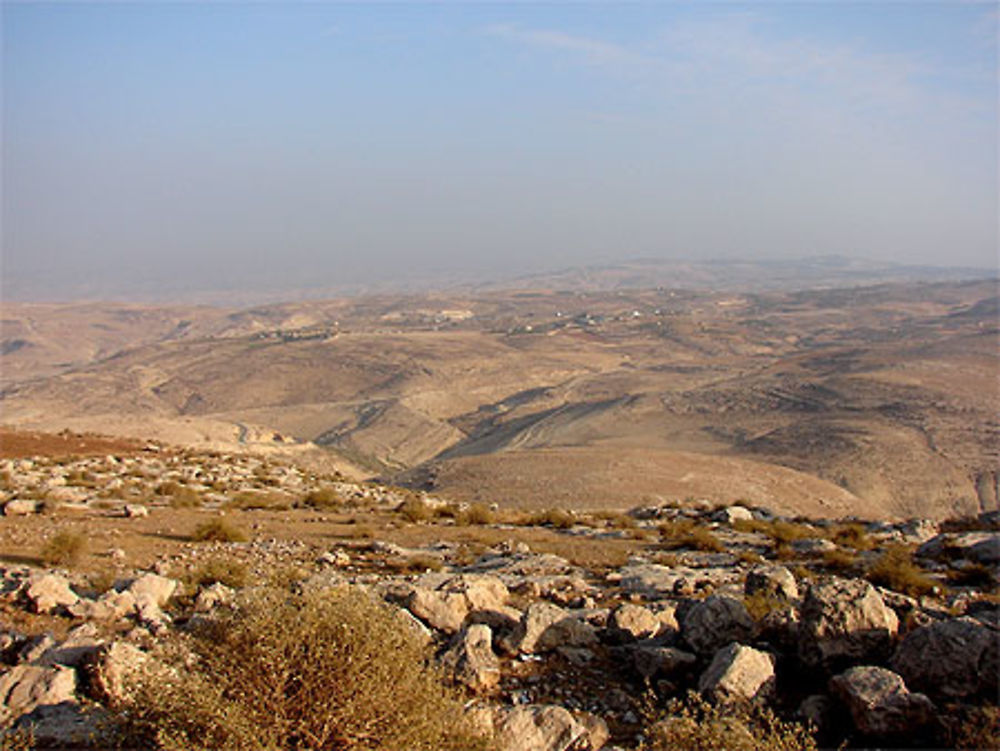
x,y
749,557
853,536
977,575
415,564
760,603
334,669
686,534
250,500
21,739
64,549
840,561
223,570
415,510
971,728
693,724
323,498
218,529
185,498
553,517
895,569
477,514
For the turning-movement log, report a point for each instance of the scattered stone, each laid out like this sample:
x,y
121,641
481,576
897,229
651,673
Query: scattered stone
x,y
153,588
981,547
732,514
25,687
536,619
80,644
46,591
774,581
19,507
955,658
739,673
880,703
715,622
652,661
629,623
842,620
212,596
444,611
136,511
470,659
548,728
111,668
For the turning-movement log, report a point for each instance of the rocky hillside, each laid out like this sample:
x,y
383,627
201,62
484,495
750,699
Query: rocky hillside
x,y
562,630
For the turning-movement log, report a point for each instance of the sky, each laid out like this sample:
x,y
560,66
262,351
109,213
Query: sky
x,y
155,149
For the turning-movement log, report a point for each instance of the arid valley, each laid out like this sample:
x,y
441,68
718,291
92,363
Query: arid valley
x,y
605,516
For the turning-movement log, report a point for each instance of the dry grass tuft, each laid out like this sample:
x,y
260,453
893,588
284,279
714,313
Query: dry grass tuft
x,y
685,533
895,569
64,549
218,529
335,669
853,536
693,724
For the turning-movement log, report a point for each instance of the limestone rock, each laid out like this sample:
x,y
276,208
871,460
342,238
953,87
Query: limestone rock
x,y
738,673
135,511
981,547
536,619
112,668
629,623
46,592
212,596
956,658
715,622
20,507
842,620
653,661
775,581
732,514
25,687
482,591
470,659
880,703
153,588
112,604
548,728
572,631
444,611
80,643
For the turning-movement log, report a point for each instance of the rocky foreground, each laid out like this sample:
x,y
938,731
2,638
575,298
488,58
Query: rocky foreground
x,y
881,634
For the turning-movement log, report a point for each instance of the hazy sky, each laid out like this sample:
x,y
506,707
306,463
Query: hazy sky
x,y
156,147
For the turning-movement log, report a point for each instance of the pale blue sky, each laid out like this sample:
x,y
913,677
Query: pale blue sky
x,y
161,147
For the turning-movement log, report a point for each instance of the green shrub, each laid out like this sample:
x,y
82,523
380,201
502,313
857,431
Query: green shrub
x,y
693,724
218,529
336,670
64,549
895,569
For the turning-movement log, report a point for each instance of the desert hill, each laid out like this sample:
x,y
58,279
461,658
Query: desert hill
x,y
877,400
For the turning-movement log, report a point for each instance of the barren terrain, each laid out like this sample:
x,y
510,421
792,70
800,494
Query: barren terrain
x,y
877,401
